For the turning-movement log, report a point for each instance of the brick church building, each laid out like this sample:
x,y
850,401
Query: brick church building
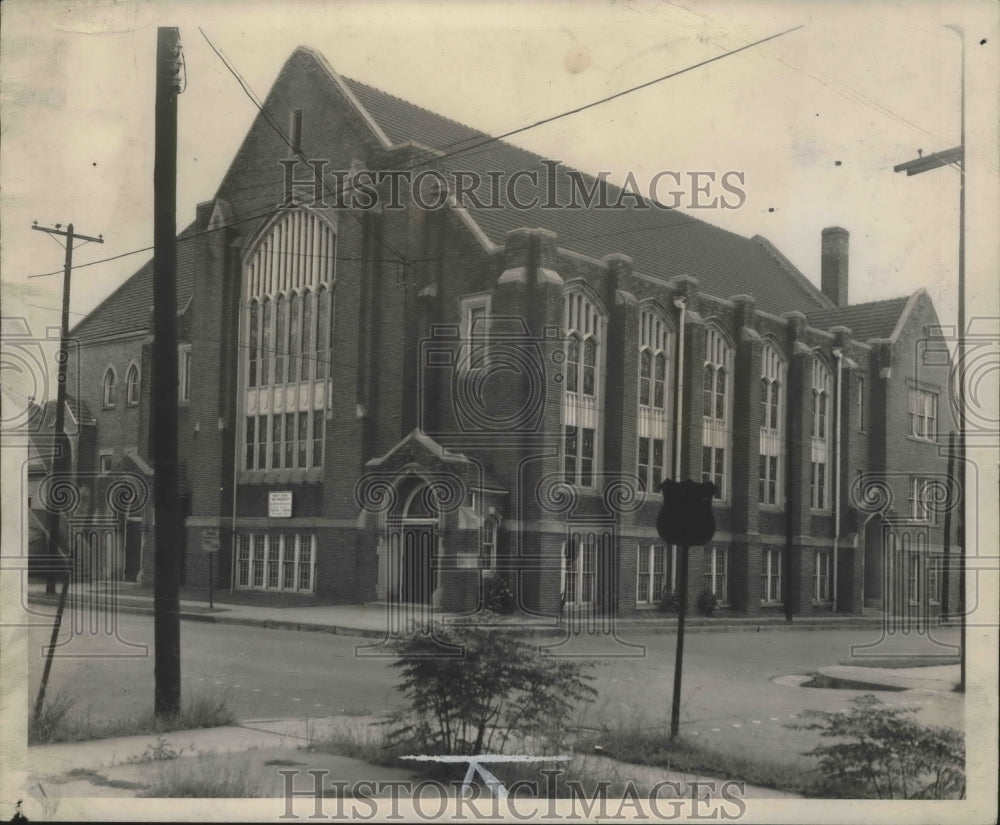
x,y
393,404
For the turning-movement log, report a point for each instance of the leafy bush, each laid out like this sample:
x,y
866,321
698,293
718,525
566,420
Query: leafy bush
x,y
497,595
707,603
670,602
470,687
885,754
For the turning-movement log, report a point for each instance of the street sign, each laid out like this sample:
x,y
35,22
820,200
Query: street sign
x,y
279,504
210,542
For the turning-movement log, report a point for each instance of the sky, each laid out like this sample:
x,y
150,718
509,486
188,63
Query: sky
x,y
815,119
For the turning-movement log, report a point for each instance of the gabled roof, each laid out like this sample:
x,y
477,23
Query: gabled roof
x,y
128,308
877,319
43,416
661,242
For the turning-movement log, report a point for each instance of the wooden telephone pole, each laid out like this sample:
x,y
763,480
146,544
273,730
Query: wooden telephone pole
x,y
60,459
167,627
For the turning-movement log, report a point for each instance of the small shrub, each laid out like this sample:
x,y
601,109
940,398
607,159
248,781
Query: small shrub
x,y
47,726
883,753
470,687
707,603
670,602
497,595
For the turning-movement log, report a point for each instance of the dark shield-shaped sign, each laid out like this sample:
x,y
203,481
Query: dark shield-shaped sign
x,y
686,516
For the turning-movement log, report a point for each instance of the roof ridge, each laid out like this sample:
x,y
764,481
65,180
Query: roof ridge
x,y
862,304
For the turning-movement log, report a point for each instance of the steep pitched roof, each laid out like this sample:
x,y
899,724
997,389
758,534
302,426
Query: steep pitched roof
x,y
876,319
661,242
127,309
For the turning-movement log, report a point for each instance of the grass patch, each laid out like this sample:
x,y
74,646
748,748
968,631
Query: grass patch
x,y
368,743
57,722
225,776
647,744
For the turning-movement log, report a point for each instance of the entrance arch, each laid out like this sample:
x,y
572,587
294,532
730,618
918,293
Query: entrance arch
x,y
412,574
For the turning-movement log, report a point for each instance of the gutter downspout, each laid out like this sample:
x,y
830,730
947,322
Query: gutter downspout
x,y
681,304
838,353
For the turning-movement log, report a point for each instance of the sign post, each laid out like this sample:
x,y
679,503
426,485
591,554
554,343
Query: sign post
x,y
685,519
210,544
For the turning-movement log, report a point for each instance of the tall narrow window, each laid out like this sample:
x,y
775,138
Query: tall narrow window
x,y
280,338
654,575
288,323
110,388
295,339
254,365
580,569
266,347
717,573
821,577
489,548
716,431
822,385
772,384
251,442
132,386
475,311
184,370
861,404
653,422
923,414
922,492
583,327
770,576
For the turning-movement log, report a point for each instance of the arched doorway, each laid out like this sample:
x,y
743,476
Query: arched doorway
x,y
413,546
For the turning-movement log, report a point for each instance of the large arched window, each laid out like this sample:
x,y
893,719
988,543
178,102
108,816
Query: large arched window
x,y
772,407
716,417
583,328
110,388
655,359
132,386
288,321
819,480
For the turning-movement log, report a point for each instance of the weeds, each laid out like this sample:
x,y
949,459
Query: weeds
x,y
223,776
639,742
55,723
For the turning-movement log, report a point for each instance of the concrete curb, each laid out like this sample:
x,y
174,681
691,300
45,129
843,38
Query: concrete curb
x,y
655,627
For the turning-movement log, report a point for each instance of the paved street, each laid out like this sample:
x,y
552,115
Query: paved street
x,y
730,697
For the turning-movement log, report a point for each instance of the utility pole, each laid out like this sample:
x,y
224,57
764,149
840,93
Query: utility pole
x,y
167,629
60,458
956,157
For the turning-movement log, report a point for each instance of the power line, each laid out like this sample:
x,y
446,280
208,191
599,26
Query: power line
x,y
436,157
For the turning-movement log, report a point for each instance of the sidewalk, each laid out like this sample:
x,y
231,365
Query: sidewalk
x,y
126,767
373,620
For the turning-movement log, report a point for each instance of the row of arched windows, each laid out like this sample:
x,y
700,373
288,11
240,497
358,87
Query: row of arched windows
x,y
288,319
110,387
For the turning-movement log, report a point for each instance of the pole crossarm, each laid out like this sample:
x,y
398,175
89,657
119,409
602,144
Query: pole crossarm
x,y
935,161
66,232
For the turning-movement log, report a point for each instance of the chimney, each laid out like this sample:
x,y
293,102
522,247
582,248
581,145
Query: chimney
x,y
833,266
